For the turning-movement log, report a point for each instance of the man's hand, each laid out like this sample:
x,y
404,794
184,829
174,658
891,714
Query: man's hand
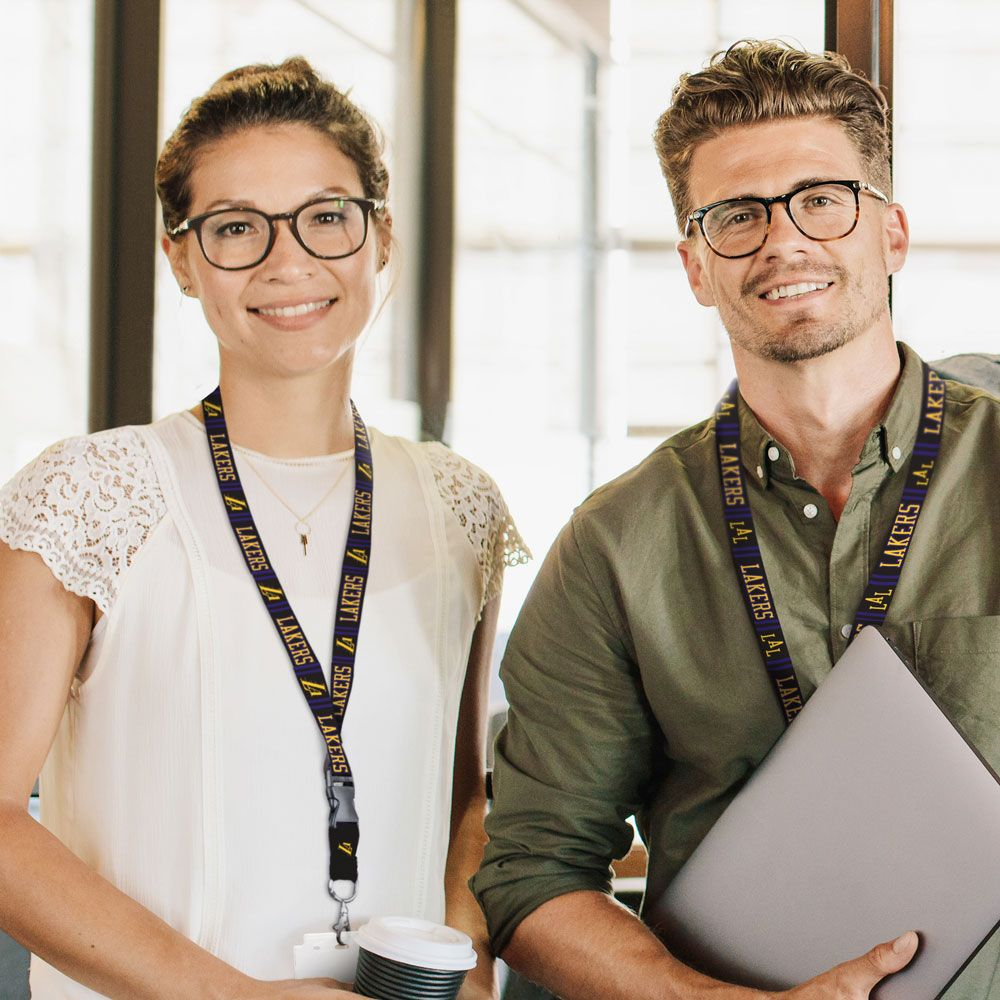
x,y
585,946
854,980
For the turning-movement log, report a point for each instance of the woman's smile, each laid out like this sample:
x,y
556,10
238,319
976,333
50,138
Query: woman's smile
x,y
293,316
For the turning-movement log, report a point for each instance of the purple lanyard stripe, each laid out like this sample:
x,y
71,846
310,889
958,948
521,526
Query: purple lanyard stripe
x,y
745,549
882,584
326,710
745,552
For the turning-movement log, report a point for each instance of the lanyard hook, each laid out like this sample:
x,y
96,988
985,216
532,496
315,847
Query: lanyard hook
x,y
342,898
342,924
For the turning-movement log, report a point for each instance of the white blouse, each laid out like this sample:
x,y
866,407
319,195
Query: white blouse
x,y
188,770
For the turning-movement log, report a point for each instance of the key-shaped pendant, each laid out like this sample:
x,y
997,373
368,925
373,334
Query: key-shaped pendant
x,y
304,531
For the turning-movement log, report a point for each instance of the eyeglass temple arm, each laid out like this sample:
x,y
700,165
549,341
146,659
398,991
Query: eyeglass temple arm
x,y
871,189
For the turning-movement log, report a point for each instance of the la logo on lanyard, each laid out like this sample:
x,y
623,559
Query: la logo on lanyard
x,y
744,546
328,709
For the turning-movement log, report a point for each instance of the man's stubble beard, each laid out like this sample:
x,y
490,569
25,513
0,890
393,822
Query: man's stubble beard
x,y
802,338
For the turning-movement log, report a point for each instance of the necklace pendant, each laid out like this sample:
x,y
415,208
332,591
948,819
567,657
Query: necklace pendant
x,y
304,531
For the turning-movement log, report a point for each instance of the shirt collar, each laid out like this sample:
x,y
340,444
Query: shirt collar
x,y
891,441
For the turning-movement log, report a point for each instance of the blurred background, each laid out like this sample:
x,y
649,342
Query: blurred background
x,y
539,299
540,322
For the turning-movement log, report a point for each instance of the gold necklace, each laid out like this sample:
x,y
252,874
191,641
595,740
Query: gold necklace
x,y
302,526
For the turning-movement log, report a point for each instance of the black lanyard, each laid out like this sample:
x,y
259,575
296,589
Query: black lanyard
x,y
327,704
745,547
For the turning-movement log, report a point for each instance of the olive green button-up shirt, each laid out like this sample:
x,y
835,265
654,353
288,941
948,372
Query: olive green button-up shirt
x,y
635,679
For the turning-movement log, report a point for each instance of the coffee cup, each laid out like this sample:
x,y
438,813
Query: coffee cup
x,y
404,958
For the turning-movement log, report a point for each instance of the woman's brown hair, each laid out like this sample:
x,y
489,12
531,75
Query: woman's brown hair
x,y
261,96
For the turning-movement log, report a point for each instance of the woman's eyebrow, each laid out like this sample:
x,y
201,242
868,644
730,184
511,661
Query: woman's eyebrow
x,y
250,203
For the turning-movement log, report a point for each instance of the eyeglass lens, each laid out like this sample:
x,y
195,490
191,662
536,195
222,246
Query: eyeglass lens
x,y
822,212
239,237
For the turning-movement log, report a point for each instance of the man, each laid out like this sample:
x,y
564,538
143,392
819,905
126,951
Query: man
x,y
635,678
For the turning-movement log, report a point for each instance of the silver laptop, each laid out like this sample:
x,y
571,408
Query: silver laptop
x,y
871,816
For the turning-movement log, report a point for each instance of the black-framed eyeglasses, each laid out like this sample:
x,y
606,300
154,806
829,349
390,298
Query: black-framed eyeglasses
x,y
822,211
234,239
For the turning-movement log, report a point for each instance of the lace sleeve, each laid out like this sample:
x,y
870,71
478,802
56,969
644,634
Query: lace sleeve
x,y
85,505
474,499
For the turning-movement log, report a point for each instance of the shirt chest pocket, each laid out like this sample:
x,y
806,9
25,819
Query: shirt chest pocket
x,y
959,660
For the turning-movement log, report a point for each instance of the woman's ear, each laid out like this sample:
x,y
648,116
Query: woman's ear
x,y
177,257
384,229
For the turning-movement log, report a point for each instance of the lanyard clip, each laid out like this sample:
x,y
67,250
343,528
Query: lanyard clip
x,y
343,892
340,796
342,924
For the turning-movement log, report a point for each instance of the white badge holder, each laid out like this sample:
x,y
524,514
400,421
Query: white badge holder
x,y
321,957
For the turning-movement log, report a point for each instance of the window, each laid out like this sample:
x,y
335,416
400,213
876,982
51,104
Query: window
x,y
578,346
675,353
521,307
45,240
947,150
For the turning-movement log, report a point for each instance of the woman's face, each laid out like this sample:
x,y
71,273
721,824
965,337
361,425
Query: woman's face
x,y
277,169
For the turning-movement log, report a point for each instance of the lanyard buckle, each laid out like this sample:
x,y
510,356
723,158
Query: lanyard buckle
x,y
340,796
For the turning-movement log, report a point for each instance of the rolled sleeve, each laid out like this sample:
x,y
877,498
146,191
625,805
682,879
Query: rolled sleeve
x,y
576,752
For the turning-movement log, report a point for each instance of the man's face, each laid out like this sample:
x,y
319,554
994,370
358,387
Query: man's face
x,y
772,159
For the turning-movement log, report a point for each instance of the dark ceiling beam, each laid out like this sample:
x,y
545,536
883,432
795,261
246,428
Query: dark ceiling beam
x,y
123,221
437,216
862,30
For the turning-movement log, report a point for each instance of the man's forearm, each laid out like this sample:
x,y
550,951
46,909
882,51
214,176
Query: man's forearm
x,y
585,946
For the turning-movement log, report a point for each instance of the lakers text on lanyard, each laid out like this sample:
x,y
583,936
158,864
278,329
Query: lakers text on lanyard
x,y
744,545
328,704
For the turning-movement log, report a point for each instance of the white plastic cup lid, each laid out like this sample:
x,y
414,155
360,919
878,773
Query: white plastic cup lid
x,y
417,942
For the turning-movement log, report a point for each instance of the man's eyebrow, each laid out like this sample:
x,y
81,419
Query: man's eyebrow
x,y
803,182
806,181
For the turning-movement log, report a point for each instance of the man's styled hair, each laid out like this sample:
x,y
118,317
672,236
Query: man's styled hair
x,y
763,81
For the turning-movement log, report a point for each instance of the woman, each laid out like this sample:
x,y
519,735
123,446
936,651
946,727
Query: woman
x,y
173,593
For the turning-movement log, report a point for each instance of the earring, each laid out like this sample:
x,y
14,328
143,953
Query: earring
x,y
185,289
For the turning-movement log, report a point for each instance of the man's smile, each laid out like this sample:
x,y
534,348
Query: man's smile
x,y
794,291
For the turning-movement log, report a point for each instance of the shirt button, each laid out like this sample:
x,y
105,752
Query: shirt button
x,y
845,631
760,472
897,453
810,510
773,454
